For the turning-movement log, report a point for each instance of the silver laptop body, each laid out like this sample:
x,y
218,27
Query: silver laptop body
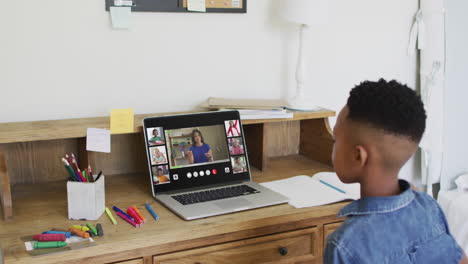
x,y
202,153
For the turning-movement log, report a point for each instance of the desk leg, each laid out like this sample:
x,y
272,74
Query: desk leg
x,y
5,189
316,140
256,141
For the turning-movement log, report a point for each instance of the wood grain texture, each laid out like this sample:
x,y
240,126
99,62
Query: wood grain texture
x,y
305,242
5,189
47,204
283,138
256,139
36,162
133,261
76,128
316,140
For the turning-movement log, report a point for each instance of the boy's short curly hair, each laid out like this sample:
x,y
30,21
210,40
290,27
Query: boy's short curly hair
x,y
390,106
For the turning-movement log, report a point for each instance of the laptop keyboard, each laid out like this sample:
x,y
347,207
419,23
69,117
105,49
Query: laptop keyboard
x,y
215,194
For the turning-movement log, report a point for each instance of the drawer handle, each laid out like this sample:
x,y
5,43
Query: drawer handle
x,y
283,251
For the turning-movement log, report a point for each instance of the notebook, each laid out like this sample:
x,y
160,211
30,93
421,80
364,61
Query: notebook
x,y
319,189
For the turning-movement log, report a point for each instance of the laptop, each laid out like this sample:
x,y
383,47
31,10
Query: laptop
x,y
198,165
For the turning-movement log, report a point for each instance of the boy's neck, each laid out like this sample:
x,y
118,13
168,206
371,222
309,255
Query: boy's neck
x,y
380,184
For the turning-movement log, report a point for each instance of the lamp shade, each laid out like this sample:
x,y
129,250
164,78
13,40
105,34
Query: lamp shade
x,y
307,12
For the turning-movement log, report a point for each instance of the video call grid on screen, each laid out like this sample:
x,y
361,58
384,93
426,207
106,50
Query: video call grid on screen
x,y
173,159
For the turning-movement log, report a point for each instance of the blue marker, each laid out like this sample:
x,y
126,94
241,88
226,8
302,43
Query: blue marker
x,y
122,212
67,234
333,187
156,217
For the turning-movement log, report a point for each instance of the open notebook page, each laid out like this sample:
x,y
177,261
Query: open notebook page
x,y
306,191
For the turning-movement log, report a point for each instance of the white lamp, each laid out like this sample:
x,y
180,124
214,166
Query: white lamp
x,y
305,13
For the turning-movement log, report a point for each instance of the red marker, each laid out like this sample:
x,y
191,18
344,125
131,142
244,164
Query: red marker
x,y
49,237
135,216
127,219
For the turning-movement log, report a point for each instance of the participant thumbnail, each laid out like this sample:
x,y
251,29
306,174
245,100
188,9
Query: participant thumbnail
x,y
236,146
196,145
232,128
158,155
160,174
238,164
155,136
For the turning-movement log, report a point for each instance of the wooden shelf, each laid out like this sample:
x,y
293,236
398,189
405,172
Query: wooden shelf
x,y
39,207
76,128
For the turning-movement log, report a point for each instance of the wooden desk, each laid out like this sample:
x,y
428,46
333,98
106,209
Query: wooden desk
x,y
253,236
32,185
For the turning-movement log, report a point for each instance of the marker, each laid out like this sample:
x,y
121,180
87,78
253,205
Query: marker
x,y
92,228
82,228
100,231
139,214
109,213
333,187
49,237
67,234
79,232
54,244
117,210
124,217
156,217
135,216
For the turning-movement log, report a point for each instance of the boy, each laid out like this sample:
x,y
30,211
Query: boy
x,y
375,135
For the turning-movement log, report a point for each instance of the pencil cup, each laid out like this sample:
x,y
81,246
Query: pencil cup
x,y
86,200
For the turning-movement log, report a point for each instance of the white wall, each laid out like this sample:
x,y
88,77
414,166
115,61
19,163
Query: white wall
x,y
62,59
456,93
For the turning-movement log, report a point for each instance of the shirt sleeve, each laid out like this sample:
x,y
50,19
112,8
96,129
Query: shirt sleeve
x,y
335,255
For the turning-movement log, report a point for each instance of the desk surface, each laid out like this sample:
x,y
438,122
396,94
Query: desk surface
x,y
42,207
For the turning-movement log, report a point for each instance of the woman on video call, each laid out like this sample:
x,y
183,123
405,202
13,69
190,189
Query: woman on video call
x,y
199,151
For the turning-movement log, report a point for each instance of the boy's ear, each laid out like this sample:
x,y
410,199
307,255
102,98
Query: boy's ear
x,y
361,155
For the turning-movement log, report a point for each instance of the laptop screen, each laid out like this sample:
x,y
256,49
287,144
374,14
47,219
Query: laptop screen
x,y
186,151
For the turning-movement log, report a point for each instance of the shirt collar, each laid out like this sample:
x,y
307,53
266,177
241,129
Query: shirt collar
x,y
376,205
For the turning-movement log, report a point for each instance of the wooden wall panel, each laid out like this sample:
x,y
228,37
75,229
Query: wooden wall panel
x,y
283,138
38,161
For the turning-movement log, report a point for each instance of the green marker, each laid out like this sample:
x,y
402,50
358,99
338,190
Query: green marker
x,y
92,228
50,244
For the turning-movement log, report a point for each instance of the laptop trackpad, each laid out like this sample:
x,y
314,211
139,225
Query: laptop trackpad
x,y
240,203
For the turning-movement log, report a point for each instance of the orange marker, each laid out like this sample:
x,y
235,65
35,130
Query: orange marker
x,y
139,214
78,232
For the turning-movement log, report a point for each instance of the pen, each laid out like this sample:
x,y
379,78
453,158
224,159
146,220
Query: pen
x,y
99,175
331,186
139,214
130,221
156,217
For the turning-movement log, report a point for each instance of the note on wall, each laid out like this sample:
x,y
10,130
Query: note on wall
x,y
196,5
98,140
121,121
120,16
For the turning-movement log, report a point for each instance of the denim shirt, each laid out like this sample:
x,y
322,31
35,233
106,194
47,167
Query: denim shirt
x,y
406,228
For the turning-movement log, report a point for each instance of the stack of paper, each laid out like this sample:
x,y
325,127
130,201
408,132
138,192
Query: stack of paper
x,y
322,188
251,108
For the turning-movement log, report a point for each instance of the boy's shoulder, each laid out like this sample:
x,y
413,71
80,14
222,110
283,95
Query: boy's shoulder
x,y
385,227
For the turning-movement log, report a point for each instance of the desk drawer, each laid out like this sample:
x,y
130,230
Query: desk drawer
x,y
302,244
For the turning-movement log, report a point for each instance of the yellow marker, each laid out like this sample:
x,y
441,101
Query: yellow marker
x,y
82,228
139,214
121,121
108,212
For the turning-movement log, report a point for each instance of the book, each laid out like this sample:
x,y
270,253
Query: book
x,y
262,114
319,189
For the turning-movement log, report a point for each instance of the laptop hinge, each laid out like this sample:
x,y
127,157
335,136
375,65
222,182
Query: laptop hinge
x,y
193,189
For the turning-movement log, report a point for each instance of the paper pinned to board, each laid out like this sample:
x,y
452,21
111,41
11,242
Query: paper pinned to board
x,y
196,5
120,16
307,191
98,140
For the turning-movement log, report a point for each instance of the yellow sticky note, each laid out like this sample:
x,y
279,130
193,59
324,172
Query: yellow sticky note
x,y
121,121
